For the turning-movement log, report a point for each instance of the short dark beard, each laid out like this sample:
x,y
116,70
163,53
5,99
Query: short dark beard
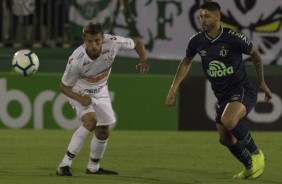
x,y
93,57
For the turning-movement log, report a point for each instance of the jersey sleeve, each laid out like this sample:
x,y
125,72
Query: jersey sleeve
x,y
190,51
71,73
125,43
121,42
245,45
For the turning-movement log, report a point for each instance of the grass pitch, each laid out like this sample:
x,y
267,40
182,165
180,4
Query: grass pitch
x,y
140,157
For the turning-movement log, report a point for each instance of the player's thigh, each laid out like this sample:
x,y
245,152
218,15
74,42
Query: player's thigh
x,y
89,118
82,112
232,114
86,115
104,111
226,138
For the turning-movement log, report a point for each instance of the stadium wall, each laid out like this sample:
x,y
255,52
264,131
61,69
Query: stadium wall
x,y
36,103
197,106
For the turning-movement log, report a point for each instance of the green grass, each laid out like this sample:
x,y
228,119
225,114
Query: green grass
x,y
153,157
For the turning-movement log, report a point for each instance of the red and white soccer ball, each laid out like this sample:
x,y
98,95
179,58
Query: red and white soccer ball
x,y
25,62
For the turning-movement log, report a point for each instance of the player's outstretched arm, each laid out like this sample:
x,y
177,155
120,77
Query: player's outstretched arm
x,y
143,65
181,72
257,60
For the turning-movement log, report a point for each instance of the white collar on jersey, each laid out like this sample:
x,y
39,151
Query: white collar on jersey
x,y
212,40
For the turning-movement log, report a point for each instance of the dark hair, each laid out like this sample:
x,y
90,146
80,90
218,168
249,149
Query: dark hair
x,y
93,28
211,6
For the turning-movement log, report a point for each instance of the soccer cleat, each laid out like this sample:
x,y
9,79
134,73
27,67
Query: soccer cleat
x,y
258,164
102,171
63,171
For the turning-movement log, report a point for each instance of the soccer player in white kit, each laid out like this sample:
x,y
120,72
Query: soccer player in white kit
x,y
85,84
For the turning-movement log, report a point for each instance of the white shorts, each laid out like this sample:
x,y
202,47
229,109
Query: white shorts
x,y
101,105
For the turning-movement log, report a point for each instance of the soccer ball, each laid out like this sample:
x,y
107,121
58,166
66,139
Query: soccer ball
x,y
25,62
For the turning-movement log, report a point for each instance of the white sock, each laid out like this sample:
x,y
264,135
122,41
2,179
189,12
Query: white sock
x,y
97,150
75,145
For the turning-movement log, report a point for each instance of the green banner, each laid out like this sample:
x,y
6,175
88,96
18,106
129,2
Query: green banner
x,y
82,12
165,26
36,103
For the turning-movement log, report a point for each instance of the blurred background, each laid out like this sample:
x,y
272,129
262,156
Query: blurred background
x,y
52,29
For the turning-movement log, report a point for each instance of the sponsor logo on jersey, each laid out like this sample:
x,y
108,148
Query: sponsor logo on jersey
x,y
218,69
86,62
105,51
80,56
241,36
70,60
87,70
68,72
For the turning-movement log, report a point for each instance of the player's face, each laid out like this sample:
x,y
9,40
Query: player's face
x,y
93,44
208,20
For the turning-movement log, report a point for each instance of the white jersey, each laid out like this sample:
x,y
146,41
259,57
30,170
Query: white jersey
x,y
87,75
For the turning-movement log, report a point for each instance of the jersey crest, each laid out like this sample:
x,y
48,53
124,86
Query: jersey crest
x,y
223,52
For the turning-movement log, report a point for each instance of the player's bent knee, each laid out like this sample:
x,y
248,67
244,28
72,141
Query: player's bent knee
x,y
228,123
221,142
90,126
225,143
102,132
